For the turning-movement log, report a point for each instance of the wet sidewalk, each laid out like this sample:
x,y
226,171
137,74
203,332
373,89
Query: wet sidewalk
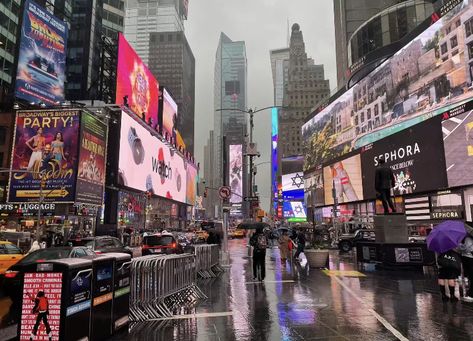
x,y
298,303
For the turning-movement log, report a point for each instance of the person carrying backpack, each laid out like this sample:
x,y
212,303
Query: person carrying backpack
x,y
259,243
300,244
449,264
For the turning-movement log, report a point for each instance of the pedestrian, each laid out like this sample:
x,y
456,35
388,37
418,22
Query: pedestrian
x,y
449,264
259,242
300,244
284,241
384,181
466,249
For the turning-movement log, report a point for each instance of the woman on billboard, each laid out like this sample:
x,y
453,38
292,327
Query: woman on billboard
x,y
36,144
58,148
342,182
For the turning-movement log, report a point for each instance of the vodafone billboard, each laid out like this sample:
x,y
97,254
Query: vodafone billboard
x,y
148,164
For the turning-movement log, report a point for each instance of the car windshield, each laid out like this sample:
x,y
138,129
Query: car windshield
x,y
157,240
46,254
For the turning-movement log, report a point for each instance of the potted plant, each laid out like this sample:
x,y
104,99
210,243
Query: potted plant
x,y
317,254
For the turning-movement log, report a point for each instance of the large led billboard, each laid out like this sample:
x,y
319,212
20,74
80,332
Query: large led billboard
x,y
235,171
169,117
191,184
294,211
293,186
42,56
344,177
92,160
314,188
45,147
274,150
427,77
415,156
148,164
136,81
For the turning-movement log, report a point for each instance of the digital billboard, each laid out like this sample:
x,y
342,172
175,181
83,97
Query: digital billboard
x,y
314,188
345,178
294,211
191,184
425,78
42,56
147,164
136,81
169,117
415,156
235,171
293,186
91,165
274,150
45,146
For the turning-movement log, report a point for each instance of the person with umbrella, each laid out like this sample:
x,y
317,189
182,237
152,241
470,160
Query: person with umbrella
x,y
444,239
466,248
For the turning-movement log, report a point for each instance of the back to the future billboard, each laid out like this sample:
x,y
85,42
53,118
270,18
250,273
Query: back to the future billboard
x,y
42,56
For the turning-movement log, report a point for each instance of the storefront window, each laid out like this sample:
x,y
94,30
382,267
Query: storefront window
x,y
447,206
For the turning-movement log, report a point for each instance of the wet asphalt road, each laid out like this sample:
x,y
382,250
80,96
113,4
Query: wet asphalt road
x,y
297,303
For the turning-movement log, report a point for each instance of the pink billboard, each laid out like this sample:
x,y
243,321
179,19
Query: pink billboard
x,y
191,183
148,164
169,114
136,81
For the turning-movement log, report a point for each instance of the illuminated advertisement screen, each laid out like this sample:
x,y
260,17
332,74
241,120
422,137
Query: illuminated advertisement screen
x,y
136,81
410,153
294,210
191,184
314,188
345,177
235,171
274,150
42,56
45,146
169,114
293,186
427,77
91,165
147,164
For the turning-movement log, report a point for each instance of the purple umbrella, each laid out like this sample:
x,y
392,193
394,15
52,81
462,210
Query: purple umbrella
x,y
446,236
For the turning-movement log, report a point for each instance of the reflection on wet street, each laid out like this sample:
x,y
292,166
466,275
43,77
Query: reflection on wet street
x,y
297,303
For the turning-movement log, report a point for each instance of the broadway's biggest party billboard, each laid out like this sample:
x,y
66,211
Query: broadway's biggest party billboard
x,y
148,164
42,56
92,156
136,81
45,146
235,171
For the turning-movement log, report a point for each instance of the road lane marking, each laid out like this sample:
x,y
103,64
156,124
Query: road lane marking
x,y
345,273
195,316
381,319
284,281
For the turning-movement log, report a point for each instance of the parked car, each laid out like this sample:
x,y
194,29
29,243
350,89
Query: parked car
x,y
237,233
348,241
102,244
164,243
9,255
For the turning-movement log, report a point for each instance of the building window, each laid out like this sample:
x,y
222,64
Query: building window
x,y
448,30
454,52
470,51
453,42
469,27
443,48
368,114
362,117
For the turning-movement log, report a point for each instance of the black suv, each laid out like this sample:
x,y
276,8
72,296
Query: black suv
x,y
348,241
103,244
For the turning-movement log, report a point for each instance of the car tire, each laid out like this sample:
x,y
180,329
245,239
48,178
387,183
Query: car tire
x,y
345,246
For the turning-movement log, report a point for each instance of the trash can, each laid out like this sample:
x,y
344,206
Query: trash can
x,y
121,290
102,298
56,300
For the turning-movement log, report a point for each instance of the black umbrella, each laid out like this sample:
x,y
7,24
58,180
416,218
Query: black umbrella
x,y
253,225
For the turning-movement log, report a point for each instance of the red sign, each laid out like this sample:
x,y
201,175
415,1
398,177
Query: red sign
x,y
41,310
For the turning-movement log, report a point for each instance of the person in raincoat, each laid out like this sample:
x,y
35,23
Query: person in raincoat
x,y
284,246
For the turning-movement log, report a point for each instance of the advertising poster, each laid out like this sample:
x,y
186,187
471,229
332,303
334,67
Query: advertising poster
x,y
45,146
191,184
41,309
136,81
458,144
422,80
42,56
91,166
293,186
415,155
345,177
274,149
235,170
314,189
294,211
169,115
147,164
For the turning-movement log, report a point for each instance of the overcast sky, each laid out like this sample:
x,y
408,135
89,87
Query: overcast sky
x,y
262,24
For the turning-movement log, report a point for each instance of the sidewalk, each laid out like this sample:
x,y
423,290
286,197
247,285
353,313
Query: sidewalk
x,y
297,303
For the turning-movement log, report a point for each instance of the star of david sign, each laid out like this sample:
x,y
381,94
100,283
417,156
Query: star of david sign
x,y
297,180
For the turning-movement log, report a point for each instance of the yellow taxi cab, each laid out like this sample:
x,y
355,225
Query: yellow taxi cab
x,y
9,255
202,235
239,233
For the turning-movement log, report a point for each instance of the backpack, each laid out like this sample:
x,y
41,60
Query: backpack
x,y
261,242
449,260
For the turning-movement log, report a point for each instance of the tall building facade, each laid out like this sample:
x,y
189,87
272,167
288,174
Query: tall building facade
x,y
172,61
113,19
279,68
305,87
143,17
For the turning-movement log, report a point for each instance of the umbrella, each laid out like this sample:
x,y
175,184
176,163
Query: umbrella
x,y
253,225
446,236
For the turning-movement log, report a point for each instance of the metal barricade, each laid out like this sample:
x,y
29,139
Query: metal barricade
x,y
160,285
207,259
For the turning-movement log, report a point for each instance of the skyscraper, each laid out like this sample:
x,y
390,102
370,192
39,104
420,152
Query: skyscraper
x,y
171,60
279,68
306,86
143,17
113,19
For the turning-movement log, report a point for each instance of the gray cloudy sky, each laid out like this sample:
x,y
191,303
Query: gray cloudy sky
x,y
262,24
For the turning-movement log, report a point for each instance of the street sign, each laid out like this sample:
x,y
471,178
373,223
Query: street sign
x,y
251,199
224,192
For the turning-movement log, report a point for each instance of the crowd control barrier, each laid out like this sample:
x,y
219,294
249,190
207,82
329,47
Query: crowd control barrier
x,y
162,284
207,260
